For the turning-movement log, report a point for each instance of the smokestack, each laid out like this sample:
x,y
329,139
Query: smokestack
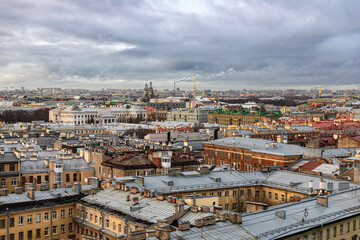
x,y
311,189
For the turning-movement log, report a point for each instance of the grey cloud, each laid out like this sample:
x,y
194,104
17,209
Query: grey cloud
x,y
123,43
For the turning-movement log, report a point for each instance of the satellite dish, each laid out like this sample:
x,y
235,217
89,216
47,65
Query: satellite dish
x,y
86,180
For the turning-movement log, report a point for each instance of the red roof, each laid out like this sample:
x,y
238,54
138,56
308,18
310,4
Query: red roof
x,y
309,166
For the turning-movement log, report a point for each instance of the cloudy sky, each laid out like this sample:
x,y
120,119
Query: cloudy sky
x,y
228,44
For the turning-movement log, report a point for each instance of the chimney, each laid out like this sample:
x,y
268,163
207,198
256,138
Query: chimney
x,y
322,184
31,192
117,185
210,220
134,189
221,215
176,208
77,188
3,192
183,225
163,232
108,184
128,198
198,222
311,189
181,207
322,200
140,180
296,198
134,201
18,190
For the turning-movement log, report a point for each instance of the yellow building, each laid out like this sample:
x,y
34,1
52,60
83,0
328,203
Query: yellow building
x,y
39,214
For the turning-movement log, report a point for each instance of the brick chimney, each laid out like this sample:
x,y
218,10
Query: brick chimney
x,y
3,192
163,232
183,225
31,192
323,200
140,180
134,201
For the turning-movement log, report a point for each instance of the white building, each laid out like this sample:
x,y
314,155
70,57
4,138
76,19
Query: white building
x,y
76,115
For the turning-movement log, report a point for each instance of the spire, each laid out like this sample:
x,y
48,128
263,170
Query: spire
x,y
320,91
194,92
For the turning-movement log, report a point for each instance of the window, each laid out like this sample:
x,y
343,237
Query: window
x,y
54,214
38,217
12,236
21,220
226,193
234,193
46,231
2,167
219,194
29,235
70,227
47,178
119,228
234,206
29,219
249,192
74,177
62,228
91,217
257,194
46,216
38,179
67,177
38,233
79,177
226,206
114,226
320,235
62,213
70,212
2,223
348,227
3,183
282,198
95,219
334,233
12,167
21,235
13,181
328,234
341,229
354,225
276,196
107,223
264,194
12,222
242,193
54,230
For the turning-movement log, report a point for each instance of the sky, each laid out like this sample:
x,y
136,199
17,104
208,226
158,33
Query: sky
x,y
230,44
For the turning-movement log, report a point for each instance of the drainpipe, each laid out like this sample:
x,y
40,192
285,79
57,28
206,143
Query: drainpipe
x,y
51,223
8,224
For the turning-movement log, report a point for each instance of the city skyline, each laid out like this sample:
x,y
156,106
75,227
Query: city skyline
x,y
111,44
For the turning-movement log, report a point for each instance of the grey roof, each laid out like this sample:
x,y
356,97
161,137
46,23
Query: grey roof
x,y
40,195
34,166
76,164
150,210
265,225
220,230
8,157
188,181
192,216
264,146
